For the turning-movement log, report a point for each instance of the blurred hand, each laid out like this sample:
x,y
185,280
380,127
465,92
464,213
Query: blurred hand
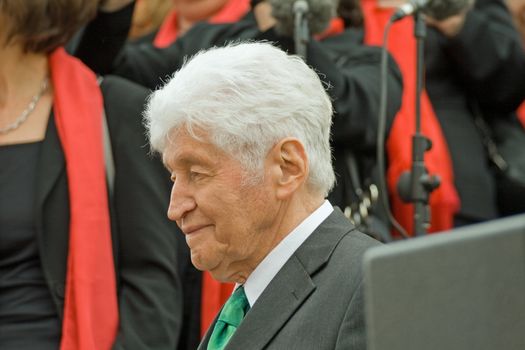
x,y
113,5
450,26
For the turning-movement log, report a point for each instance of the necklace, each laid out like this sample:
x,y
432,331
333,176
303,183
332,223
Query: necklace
x,y
29,109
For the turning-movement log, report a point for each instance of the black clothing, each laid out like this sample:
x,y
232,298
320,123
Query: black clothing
x,y
484,64
145,242
28,318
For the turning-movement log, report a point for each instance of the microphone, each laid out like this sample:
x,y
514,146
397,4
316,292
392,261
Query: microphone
x,y
301,32
300,7
408,8
317,13
436,9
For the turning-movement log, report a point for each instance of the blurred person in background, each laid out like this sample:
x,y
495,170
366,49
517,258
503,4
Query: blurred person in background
x,y
186,13
473,58
87,260
148,16
163,21
142,22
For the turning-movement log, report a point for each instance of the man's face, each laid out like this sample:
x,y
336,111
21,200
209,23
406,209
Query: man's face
x,y
228,226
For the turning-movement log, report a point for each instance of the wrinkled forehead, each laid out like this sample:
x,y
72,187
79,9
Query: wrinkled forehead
x,y
183,146
185,132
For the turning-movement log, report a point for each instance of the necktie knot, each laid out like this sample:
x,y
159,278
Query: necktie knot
x,y
235,308
229,319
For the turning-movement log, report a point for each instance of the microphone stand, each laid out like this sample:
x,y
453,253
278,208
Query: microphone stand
x,y
301,31
415,186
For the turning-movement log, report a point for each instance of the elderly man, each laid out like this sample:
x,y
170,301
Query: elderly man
x,y
244,131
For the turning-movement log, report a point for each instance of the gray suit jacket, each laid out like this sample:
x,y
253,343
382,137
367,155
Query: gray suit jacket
x,y
315,301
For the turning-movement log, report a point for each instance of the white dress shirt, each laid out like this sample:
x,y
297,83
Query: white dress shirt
x,y
274,261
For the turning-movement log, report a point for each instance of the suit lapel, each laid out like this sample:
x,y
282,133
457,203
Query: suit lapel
x,y
315,252
279,301
290,288
204,342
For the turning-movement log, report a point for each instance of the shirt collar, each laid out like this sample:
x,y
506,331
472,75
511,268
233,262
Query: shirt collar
x,y
278,256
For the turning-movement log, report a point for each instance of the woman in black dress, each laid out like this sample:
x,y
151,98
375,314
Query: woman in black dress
x,y
87,255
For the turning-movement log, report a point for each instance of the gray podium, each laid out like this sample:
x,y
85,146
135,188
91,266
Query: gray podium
x,y
463,289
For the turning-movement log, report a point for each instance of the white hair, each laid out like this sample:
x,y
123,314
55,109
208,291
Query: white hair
x,y
247,97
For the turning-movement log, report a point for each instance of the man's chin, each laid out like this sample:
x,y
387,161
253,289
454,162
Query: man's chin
x,y
203,265
215,273
199,264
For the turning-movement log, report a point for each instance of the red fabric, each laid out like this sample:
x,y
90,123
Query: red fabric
x,y
214,295
90,312
521,114
336,26
168,31
232,11
444,202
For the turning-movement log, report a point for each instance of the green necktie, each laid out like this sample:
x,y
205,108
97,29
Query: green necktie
x,y
229,319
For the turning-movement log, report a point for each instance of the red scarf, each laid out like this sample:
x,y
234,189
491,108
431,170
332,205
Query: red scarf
x,y
336,26
521,114
444,202
232,11
90,313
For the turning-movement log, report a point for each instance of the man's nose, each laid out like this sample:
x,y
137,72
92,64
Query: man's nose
x,y
181,202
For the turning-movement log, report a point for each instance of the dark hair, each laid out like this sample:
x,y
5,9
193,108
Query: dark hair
x,y
351,13
43,25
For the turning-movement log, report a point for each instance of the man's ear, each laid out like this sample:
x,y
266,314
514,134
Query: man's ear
x,y
290,167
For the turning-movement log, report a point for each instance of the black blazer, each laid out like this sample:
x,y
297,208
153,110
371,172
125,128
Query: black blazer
x,y
145,242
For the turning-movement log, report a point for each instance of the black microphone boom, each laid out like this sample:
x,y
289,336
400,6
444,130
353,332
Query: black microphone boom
x,y
436,9
318,16
301,31
408,9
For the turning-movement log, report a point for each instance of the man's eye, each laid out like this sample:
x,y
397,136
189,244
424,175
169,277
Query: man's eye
x,y
195,175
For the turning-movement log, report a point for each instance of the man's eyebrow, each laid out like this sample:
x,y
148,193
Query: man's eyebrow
x,y
185,160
